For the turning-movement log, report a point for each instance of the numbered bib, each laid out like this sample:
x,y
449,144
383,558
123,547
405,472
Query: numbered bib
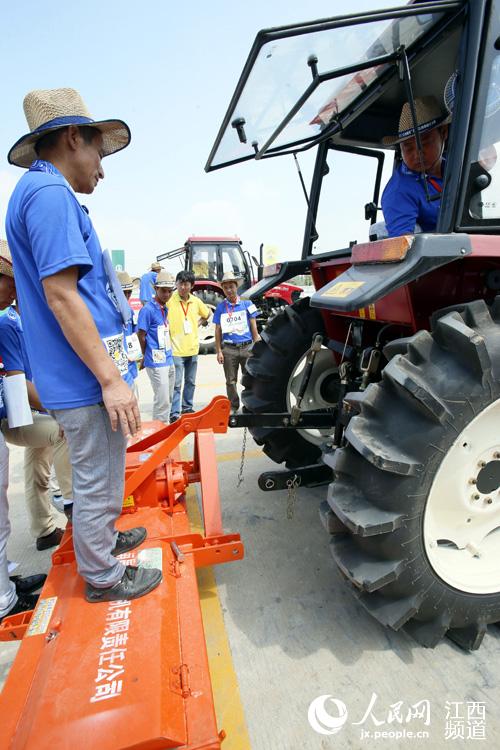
x,y
134,351
116,350
235,322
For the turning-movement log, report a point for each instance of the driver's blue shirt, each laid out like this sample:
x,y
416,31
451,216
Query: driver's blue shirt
x,y
49,231
404,202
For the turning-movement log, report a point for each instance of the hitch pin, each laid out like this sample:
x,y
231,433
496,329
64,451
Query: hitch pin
x,y
177,552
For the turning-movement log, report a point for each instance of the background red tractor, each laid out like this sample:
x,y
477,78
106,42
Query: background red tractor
x,y
209,258
388,377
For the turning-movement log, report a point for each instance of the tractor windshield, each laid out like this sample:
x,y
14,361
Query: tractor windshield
x,y
299,80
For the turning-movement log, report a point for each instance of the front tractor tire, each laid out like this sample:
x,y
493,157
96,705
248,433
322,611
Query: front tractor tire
x,y
417,487
273,377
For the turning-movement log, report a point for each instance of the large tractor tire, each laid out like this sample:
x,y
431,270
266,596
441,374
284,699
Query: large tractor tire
x,y
207,333
273,378
417,488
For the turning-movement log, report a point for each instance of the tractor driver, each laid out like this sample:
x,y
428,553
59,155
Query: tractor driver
x,y
404,200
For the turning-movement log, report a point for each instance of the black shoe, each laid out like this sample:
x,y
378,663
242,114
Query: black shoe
x,y
188,411
24,603
134,583
174,418
128,540
49,540
29,583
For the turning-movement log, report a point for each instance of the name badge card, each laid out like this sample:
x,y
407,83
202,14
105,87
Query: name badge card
x,y
116,350
188,328
134,351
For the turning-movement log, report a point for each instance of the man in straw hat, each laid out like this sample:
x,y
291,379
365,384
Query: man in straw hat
x,y
132,345
15,593
154,337
147,289
405,201
73,327
235,331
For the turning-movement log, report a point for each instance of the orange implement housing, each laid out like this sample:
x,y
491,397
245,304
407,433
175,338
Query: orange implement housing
x,y
128,675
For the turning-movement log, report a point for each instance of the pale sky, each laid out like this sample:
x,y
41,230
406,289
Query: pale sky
x,y
169,70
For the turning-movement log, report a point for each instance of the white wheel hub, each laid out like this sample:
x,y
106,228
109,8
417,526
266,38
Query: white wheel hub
x,y
462,514
315,395
206,334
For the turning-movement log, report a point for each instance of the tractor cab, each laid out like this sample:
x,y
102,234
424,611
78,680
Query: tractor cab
x,y
339,85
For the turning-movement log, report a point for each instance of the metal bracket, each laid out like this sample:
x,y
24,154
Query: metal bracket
x,y
304,476
319,420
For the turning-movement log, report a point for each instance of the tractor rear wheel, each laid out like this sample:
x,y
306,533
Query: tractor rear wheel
x,y
273,377
417,487
207,333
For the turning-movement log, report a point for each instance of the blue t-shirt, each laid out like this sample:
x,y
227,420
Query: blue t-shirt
x,y
234,320
147,290
12,347
404,202
153,319
49,231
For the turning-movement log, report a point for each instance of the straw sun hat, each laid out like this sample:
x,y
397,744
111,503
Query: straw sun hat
x,y
229,276
156,267
429,116
125,281
5,260
52,109
165,279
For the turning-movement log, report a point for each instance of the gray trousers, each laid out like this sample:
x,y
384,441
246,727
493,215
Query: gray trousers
x,y
234,358
98,462
162,381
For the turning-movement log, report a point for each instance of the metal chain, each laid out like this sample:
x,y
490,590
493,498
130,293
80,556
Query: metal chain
x,y
291,498
242,463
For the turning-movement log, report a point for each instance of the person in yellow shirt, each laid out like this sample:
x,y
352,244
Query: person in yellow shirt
x,y
185,313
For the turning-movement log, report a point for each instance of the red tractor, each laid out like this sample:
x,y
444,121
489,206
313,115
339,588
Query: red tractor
x,y
209,258
388,377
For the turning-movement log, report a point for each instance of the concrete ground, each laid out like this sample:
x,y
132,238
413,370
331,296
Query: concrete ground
x,y
296,634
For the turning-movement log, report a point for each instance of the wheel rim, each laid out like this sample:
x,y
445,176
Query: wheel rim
x,y
206,334
462,514
314,396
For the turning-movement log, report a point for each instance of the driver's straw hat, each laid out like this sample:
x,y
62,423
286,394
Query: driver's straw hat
x,y
156,266
165,280
125,280
52,109
5,260
429,116
229,276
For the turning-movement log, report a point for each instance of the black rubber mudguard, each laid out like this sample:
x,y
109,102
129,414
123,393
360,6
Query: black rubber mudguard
x,y
366,283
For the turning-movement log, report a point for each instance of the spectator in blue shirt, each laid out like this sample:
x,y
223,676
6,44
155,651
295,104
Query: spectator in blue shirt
x,y
15,594
154,337
404,201
71,314
235,331
147,289
42,440
132,345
